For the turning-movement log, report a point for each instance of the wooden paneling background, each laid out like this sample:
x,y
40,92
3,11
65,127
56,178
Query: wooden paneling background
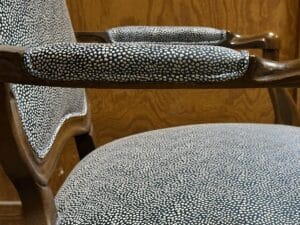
x,y
118,113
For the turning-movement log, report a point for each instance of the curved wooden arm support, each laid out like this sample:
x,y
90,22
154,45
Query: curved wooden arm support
x,y
264,41
285,107
268,42
268,70
261,73
31,175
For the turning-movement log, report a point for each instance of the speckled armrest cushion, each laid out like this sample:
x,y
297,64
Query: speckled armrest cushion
x,y
135,63
168,35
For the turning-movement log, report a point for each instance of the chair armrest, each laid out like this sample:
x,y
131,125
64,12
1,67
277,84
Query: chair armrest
x,y
182,35
267,41
143,66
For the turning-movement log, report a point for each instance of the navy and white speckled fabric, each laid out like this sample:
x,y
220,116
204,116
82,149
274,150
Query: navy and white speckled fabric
x,y
207,174
168,35
136,63
43,110
35,23
197,175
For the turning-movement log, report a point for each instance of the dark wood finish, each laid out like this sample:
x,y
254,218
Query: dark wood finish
x,y
18,171
268,41
141,2
296,93
10,204
29,174
137,111
272,71
264,41
274,55
89,37
284,101
261,73
249,17
283,108
85,144
270,44
67,161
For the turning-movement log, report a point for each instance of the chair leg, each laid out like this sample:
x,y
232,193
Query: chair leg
x,y
38,203
85,144
285,108
284,103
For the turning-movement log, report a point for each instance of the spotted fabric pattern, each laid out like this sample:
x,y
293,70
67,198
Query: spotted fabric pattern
x,y
43,110
168,35
121,62
216,174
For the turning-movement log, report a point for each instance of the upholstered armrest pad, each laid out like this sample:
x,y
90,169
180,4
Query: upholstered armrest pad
x,y
168,35
135,63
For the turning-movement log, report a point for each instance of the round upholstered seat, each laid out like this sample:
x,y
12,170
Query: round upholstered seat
x,y
205,174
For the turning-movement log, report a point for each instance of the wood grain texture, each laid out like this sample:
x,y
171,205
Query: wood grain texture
x,y
10,205
67,162
12,220
119,113
247,17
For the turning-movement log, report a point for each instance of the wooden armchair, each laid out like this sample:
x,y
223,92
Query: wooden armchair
x,y
201,174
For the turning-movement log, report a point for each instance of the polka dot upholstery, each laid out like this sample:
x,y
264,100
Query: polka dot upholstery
x,y
43,110
205,174
35,23
136,63
168,35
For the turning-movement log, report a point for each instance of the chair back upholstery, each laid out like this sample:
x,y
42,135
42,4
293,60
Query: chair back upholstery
x,y
42,110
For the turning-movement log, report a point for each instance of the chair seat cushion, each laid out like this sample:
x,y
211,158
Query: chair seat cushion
x,y
203,174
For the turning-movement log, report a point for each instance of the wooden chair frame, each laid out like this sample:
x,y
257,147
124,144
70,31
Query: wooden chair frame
x,y
30,175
